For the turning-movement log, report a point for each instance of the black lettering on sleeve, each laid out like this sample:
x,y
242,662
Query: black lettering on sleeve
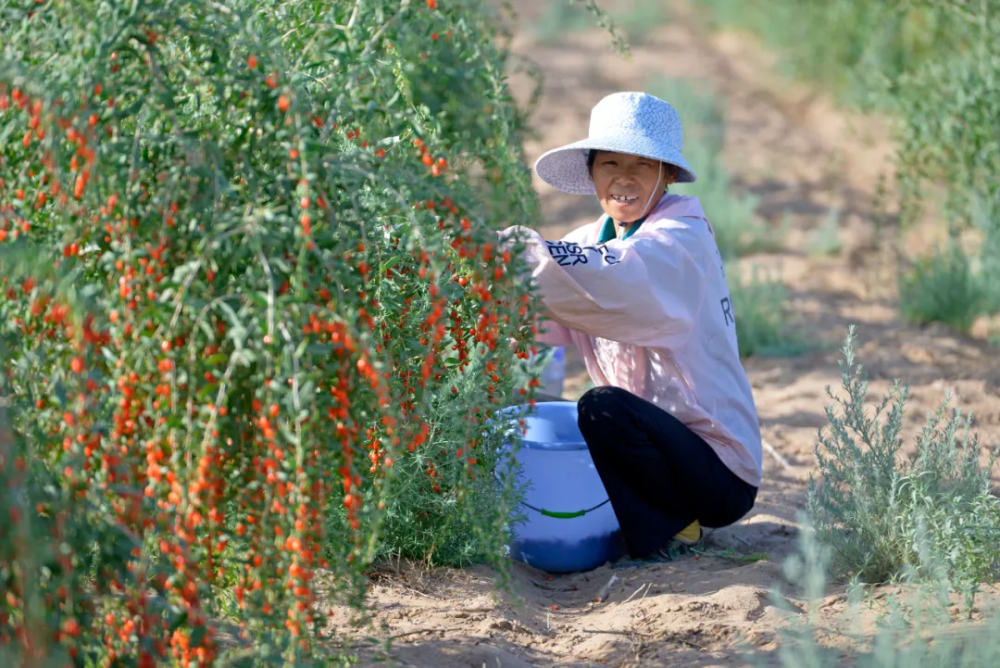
x,y
727,310
569,254
566,254
606,255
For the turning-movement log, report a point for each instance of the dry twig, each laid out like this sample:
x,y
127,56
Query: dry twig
x,y
641,587
602,595
778,458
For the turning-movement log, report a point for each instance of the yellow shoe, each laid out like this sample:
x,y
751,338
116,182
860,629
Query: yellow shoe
x,y
690,534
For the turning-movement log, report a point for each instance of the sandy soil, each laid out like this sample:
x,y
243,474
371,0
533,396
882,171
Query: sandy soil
x,y
800,155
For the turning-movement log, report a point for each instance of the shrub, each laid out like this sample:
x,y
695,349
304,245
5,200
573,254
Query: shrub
x,y
761,315
987,219
934,148
737,228
933,65
879,511
929,521
943,288
253,323
916,629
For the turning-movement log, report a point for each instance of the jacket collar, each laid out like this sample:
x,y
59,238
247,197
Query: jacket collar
x,y
669,206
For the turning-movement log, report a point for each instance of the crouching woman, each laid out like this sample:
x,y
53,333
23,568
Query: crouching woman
x,y
642,294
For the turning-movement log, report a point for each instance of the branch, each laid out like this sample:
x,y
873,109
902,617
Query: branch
x,y
270,294
354,14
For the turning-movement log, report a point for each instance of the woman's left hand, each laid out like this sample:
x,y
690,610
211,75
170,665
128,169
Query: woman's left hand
x,y
508,238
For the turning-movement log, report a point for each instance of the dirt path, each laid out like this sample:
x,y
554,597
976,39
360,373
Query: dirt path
x,y
799,156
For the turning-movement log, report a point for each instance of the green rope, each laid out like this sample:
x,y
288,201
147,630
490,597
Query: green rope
x,y
564,515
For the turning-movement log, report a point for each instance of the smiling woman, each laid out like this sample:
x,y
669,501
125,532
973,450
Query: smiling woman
x,y
671,424
624,182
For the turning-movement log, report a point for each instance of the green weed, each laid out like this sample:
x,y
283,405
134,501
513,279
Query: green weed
x,y
826,239
761,315
928,521
886,516
943,288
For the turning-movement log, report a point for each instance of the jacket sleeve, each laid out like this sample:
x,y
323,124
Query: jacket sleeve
x,y
551,332
645,291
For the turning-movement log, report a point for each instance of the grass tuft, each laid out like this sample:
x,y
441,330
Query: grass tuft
x,y
943,288
759,305
826,239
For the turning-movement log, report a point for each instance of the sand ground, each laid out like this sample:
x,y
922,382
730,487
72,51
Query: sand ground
x,y
800,155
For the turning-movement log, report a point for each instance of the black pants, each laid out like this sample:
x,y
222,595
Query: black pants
x,y
659,475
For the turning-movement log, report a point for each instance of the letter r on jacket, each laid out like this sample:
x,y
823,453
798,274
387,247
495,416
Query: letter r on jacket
x,y
727,310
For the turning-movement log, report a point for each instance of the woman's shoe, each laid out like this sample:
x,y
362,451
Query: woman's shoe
x,y
663,555
691,534
680,545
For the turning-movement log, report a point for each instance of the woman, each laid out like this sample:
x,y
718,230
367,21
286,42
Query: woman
x,y
671,426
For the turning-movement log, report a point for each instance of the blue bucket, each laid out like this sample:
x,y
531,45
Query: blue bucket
x,y
571,525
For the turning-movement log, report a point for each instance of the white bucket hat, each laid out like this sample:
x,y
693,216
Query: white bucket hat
x,y
634,123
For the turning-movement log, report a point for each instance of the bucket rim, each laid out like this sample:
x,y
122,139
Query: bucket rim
x,y
527,412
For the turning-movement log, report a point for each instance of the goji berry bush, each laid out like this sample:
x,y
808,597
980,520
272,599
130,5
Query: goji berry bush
x,y
254,324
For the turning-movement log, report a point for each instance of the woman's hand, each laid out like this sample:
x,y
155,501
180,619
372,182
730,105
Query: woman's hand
x,y
514,238
504,238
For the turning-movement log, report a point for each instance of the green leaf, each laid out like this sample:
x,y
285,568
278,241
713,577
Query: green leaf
x,y
244,357
321,350
206,329
217,359
197,635
307,388
183,271
258,298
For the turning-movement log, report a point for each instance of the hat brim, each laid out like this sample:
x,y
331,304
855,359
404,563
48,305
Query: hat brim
x,y
565,168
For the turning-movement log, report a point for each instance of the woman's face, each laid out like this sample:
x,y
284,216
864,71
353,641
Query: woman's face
x,y
626,184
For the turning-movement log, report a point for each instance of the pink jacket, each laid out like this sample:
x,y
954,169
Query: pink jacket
x,y
652,314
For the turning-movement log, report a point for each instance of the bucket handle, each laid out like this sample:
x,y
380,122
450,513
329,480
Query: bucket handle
x,y
562,515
